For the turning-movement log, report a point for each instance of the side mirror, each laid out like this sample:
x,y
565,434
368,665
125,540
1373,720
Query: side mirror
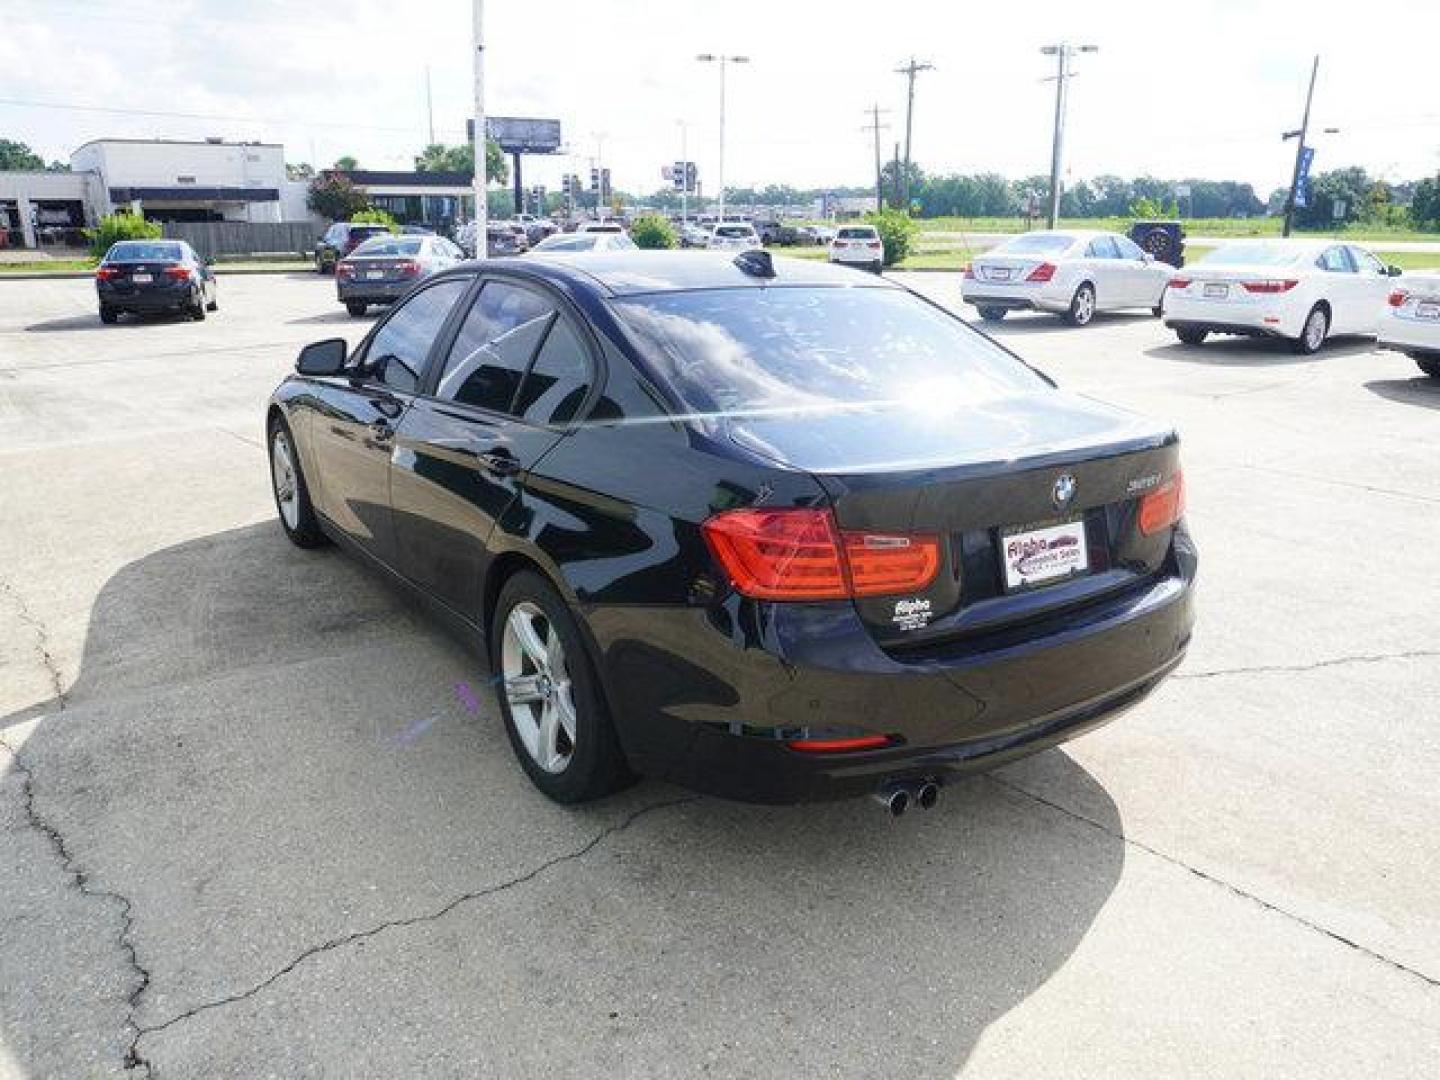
x,y
1393,271
323,357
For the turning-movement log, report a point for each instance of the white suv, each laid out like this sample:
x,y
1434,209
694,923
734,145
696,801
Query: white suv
x,y
733,236
858,245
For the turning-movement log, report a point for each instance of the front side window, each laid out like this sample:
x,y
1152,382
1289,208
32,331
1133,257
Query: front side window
x,y
402,343
1128,248
1336,260
1368,263
748,350
1102,247
496,342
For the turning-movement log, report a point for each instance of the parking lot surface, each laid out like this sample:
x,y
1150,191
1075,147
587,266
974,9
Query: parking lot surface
x,y
258,816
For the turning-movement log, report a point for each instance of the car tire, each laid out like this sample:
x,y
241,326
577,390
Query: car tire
x,y
992,314
109,315
292,493
214,304
356,308
1082,306
1430,365
1314,332
1158,311
551,685
1191,335
197,309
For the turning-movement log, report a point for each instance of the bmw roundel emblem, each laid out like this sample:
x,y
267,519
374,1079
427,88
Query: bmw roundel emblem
x,y
1064,491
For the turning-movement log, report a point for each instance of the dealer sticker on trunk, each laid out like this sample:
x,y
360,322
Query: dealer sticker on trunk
x,y
1040,555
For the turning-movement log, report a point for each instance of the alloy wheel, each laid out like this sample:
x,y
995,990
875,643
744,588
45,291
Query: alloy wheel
x,y
537,687
287,487
1315,328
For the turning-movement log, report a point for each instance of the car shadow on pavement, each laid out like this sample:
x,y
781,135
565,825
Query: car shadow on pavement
x,y
1421,390
340,316
1253,352
1040,323
292,797
70,323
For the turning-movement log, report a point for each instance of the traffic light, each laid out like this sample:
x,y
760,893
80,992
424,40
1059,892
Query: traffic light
x,y
595,180
604,185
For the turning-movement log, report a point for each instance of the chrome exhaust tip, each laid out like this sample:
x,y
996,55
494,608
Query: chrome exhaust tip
x,y
927,794
895,798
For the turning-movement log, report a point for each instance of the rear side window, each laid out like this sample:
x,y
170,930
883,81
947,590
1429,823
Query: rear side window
x,y
496,342
1128,248
558,380
1102,247
403,341
744,350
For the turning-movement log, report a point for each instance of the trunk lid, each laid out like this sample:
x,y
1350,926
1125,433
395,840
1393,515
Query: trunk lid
x,y
984,482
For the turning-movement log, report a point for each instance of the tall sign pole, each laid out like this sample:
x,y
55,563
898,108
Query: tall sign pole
x,y
1300,150
481,210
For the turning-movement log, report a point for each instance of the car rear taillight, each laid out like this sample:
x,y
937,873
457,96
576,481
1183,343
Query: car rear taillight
x,y
1397,298
1275,285
1044,272
802,555
177,273
106,273
873,245
407,268
1164,506
344,269
1179,282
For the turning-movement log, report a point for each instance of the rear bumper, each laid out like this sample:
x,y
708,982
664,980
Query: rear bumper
x,y
1020,297
1420,336
1249,320
708,697
157,298
372,292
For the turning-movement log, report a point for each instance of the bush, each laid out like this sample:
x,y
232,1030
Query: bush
x,y
121,226
897,233
371,216
652,231
335,197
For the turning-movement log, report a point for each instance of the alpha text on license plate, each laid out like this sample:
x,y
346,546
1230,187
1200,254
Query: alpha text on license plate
x,y
1035,556
1217,292
1427,311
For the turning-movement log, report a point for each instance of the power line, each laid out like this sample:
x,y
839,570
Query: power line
x,y
72,107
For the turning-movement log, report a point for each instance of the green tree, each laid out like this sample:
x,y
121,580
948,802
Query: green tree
x,y
346,163
371,216
897,233
1425,206
652,231
1343,190
121,226
333,196
437,157
15,156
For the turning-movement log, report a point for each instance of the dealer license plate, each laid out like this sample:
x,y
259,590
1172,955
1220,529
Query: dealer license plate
x,y
142,279
1216,292
1036,556
1427,311
373,274
1000,273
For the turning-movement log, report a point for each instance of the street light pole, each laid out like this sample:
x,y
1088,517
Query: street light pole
x,y
1299,136
1062,53
722,60
481,210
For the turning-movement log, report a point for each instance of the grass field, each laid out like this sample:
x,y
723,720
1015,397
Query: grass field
x,y
1217,227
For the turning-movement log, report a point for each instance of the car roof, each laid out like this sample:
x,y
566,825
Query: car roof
x,y
628,273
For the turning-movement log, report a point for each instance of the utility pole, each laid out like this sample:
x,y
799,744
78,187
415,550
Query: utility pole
x,y
481,210
898,181
684,174
722,60
1062,53
910,70
1299,136
877,127
429,107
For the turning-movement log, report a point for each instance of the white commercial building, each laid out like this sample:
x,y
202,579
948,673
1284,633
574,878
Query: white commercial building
x,y
174,180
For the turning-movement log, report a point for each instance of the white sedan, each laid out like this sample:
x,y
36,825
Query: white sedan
x,y
733,236
1301,290
1070,273
586,241
1412,322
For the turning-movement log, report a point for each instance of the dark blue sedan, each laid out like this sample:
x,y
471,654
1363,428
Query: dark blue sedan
x,y
143,277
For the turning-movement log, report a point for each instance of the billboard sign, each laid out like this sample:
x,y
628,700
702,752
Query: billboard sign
x,y
520,135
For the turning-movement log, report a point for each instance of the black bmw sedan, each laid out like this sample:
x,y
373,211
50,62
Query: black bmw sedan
x,y
768,528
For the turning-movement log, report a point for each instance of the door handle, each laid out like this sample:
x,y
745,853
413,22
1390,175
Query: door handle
x,y
500,462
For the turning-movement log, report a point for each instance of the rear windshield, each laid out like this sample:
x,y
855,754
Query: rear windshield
x,y
1037,243
735,232
390,245
1251,255
747,350
143,251
568,243
855,234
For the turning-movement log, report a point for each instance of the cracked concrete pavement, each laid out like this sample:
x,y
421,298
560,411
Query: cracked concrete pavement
x,y
258,816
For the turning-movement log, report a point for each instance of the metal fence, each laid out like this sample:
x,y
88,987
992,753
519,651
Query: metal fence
x,y
218,238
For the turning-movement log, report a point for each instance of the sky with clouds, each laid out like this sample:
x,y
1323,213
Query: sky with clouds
x,y
1201,88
